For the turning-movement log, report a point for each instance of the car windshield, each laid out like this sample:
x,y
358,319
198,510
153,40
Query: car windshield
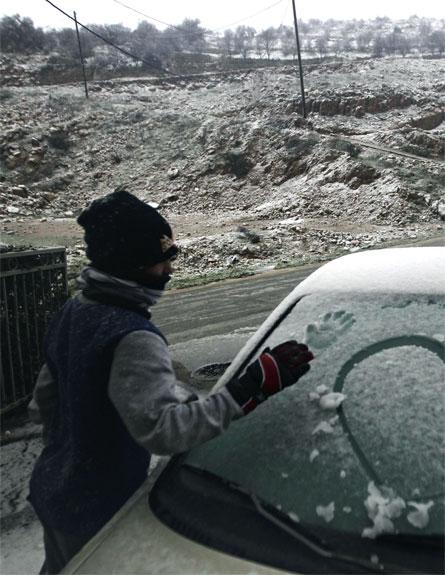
x,y
357,444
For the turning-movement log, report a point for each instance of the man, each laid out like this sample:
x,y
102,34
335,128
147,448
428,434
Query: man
x,y
106,394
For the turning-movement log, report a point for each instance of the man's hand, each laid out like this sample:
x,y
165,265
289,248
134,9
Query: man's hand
x,y
273,371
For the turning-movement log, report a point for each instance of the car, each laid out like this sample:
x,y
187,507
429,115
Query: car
x,y
342,472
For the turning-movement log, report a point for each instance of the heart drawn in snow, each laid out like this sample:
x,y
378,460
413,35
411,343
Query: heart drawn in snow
x,y
394,412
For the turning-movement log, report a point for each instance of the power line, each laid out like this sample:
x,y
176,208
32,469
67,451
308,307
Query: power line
x,y
154,19
196,33
249,17
285,14
160,68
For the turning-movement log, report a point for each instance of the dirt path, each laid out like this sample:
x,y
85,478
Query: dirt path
x,y
48,232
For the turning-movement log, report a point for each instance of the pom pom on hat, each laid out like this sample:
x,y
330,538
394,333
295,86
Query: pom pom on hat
x,y
122,233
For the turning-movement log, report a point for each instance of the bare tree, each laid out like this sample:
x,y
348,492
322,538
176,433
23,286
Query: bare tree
x,y
337,46
436,42
321,44
425,29
169,43
405,44
244,36
267,40
190,35
391,41
364,40
346,42
288,42
227,42
145,39
378,46
308,45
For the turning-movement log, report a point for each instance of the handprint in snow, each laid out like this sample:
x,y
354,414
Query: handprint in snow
x,y
332,325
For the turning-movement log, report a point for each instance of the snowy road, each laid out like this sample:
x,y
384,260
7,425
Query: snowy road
x,y
226,306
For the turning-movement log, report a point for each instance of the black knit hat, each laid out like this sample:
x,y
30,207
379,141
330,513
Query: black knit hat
x,y
123,233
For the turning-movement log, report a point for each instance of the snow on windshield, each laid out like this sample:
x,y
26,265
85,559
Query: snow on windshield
x,y
371,410
398,421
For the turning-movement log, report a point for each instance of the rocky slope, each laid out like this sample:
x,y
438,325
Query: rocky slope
x,y
246,181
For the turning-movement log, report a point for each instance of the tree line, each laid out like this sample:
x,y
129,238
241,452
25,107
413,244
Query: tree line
x,y
376,37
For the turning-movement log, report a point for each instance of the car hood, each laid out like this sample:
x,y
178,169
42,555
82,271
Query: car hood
x,y
135,541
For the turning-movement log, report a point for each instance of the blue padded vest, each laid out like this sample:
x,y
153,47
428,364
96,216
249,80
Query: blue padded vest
x,y
90,465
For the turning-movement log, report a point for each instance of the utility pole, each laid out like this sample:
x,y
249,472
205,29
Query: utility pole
x,y
303,101
81,56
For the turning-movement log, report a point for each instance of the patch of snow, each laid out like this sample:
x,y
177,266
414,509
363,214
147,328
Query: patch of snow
x,y
327,512
382,506
342,474
419,518
291,221
332,400
333,421
313,396
294,517
323,427
314,453
322,389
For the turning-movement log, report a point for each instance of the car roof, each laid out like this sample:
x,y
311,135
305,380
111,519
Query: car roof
x,y
393,270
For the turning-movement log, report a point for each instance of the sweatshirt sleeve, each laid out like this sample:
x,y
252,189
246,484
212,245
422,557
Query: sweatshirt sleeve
x,y
44,400
141,387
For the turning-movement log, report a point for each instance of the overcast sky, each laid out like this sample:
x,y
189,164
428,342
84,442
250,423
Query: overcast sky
x,y
215,14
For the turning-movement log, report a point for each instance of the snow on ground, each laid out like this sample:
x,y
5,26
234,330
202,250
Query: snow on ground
x,y
229,152
21,546
21,550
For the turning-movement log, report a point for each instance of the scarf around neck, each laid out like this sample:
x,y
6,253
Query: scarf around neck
x,y
105,288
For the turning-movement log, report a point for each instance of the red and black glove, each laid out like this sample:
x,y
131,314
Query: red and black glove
x,y
273,371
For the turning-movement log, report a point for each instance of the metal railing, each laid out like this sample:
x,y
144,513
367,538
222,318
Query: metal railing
x,y
33,287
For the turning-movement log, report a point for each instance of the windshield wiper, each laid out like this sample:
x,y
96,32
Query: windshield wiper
x,y
299,532
323,551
